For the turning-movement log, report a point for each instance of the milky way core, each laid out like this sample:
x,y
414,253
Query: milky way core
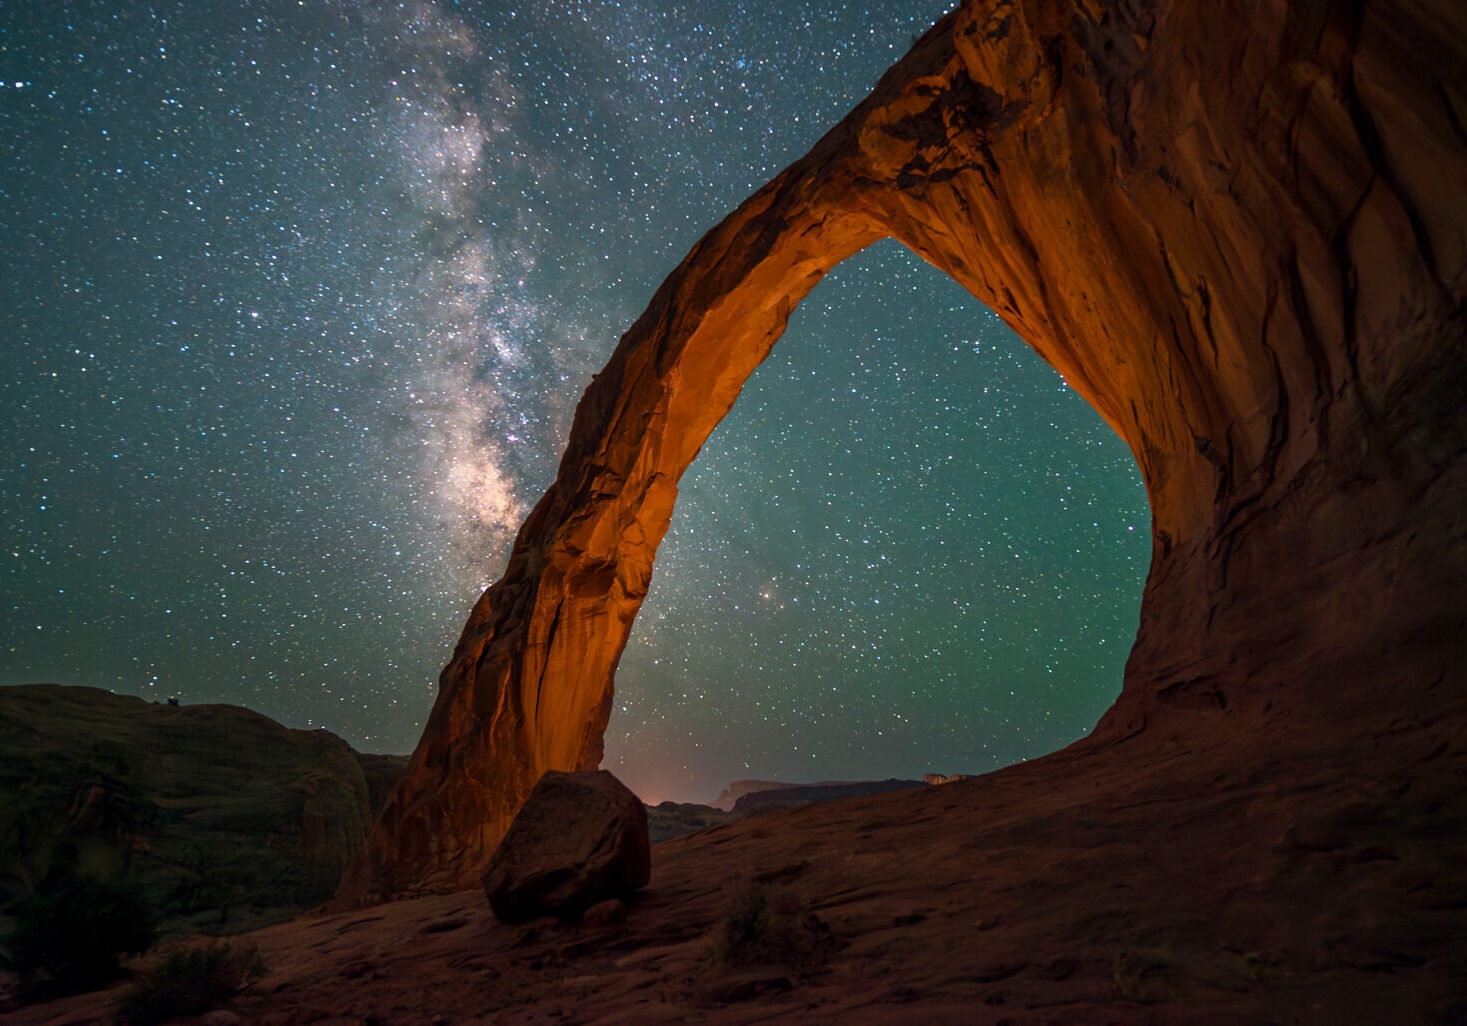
x,y
299,302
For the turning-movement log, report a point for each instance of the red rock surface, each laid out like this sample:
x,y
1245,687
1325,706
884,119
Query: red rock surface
x,y
579,839
1239,230
1185,884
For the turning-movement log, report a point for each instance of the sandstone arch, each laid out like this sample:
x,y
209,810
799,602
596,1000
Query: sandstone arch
x,y
1237,229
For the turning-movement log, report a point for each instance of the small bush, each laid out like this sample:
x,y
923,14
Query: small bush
x,y
189,981
1144,976
756,929
71,933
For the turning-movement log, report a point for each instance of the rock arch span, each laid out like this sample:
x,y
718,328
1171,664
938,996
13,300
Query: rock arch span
x,y
1237,229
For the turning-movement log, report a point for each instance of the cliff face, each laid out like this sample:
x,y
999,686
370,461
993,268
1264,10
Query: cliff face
x,y
218,815
1238,229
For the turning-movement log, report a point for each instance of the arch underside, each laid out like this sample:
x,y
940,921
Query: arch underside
x,y
1238,232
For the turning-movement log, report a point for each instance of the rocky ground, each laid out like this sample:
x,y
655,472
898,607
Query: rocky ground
x,y
1275,877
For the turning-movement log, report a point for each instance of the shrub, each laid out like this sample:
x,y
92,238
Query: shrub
x,y
71,933
755,929
189,981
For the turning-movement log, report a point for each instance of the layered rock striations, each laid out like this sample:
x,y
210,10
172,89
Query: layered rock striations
x,y
1237,229
219,816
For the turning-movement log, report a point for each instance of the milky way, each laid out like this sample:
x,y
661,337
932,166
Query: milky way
x,y
299,299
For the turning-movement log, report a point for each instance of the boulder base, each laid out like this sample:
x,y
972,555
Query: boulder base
x,y
580,839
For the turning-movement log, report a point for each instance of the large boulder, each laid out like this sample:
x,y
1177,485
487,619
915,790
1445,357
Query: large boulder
x,y
580,839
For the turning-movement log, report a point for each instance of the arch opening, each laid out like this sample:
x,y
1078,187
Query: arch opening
x,y
908,547
1276,334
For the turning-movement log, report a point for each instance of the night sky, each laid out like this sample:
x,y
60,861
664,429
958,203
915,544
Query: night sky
x,y
296,302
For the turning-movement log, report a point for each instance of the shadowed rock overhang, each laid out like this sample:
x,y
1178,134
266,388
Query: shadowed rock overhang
x,y
1238,229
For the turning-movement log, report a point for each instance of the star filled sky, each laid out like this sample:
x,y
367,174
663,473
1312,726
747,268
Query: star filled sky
x,y
297,300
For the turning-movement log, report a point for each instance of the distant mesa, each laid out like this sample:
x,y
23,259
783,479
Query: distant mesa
x,y
744,798
669,820
809,794
736,790
769,793
945,778
730,795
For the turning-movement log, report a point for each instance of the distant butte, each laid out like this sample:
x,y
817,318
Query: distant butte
x,y
1239,230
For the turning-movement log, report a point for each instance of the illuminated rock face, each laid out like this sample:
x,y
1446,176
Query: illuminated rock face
x,y
1237,229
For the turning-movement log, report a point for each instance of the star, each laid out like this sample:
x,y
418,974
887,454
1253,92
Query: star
x,y
299,303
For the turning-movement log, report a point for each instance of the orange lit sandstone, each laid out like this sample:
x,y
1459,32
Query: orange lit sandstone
x,y
1238,229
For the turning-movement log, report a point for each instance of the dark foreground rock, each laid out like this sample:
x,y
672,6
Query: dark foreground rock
x,y
580,839
218,817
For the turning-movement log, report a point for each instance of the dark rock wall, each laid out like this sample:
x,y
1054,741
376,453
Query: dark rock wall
x,y
1231,227
218,815
1237,228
